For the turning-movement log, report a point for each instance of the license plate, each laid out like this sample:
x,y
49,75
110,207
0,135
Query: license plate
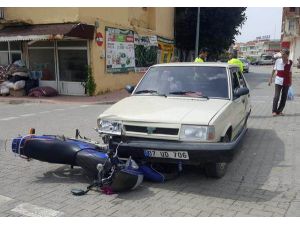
x,y
167,154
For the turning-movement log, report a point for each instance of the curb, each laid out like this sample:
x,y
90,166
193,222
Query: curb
x,y
37,101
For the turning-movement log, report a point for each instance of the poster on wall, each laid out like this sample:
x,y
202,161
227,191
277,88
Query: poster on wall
x,y
145,48
165,50
119,50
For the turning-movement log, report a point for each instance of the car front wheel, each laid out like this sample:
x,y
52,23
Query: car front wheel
x,y
217,170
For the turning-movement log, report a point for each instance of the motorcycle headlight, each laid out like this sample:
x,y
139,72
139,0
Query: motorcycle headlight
x,y
110,127
197,133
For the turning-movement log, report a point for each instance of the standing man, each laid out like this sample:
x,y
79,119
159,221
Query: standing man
x,y
283,81
202,55
235,61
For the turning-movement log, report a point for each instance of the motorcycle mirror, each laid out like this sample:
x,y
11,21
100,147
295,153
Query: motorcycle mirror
x,y
78,192
99,167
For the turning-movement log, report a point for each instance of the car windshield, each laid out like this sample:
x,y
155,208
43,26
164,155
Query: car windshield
x,y
188,81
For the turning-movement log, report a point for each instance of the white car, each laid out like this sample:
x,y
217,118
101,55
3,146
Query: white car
x,y
266,60
246,65
188,113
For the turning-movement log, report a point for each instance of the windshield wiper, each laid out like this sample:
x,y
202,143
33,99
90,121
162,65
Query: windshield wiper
x,y
189,92
151,92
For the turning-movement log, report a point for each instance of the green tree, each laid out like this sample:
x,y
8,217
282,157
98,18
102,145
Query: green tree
x,y
218,28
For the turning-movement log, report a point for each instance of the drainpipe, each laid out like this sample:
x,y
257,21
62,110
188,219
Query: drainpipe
x,y
197,33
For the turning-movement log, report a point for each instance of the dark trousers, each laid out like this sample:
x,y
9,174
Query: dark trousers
x,y
284,91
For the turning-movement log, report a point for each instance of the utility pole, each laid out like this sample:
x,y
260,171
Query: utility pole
x,y
197,33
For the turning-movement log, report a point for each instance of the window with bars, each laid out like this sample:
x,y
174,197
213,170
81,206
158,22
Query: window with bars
x,y
10,52
1,13
292,24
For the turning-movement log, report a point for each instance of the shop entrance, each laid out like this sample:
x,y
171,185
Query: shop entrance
x,y
60,64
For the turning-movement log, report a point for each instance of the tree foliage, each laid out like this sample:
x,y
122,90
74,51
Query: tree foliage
x,y
89,84
218,27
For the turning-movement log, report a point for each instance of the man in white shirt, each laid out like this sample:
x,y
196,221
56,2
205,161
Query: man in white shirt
x,y
282,82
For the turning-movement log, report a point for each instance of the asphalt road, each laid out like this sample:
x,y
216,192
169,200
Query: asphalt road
x,y
263,179
48,119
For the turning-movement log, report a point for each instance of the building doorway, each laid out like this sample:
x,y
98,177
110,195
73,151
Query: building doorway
x,y
60,64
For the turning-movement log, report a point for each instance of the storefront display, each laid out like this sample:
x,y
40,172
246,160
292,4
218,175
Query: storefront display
x,y
62,64
41,59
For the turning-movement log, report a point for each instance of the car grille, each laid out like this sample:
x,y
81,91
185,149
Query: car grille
x,y
151,130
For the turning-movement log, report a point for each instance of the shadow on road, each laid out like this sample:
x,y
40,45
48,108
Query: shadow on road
x,y
65,174
248,175
270,116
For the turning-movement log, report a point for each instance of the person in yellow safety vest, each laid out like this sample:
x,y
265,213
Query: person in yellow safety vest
x,y
235,61
202,55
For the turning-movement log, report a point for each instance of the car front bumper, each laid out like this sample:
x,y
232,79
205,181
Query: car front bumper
x,y
198,152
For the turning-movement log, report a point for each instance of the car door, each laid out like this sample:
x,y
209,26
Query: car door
x,y
238,106
245,98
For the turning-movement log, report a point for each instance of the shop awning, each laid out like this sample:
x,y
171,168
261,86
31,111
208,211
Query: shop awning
x,y
46,32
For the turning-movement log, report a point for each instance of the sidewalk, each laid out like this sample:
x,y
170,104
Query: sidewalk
x,y
108,98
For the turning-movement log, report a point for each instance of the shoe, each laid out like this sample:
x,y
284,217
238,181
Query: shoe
x,y
280,114
274,114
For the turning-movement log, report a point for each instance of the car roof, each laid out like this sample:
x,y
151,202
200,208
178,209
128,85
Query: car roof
x,y
204,64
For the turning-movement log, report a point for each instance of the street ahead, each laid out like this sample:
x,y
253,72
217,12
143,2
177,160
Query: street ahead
x,y
263,180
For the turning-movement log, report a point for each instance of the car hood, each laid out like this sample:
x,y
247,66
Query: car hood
x,y
157,109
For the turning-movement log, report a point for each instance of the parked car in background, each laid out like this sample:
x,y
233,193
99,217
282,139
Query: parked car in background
x,y
246,64
265,60
181,113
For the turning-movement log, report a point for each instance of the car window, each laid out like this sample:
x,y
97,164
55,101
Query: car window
x,y
242,80
234,79
267,57
238,79
184,80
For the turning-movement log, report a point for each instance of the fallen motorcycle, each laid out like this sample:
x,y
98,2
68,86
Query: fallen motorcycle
x,y
111,173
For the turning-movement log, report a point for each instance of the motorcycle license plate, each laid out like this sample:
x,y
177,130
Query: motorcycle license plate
x,y
166,154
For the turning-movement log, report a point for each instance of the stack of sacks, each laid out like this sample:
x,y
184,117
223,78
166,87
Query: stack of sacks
x,y
16,74
5,86
4,90
17,71
3,72
42,92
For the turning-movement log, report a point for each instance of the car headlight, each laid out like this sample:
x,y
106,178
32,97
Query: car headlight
x,y
110,127
197,133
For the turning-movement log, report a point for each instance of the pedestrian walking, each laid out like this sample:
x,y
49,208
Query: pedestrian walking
x,y
283,81
202,55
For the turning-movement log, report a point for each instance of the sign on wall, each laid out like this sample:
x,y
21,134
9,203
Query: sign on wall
x,y
99,39
166,50
120,56
265,37
145,48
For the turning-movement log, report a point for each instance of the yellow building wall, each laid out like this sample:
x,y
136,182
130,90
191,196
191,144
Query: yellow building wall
x,y
144,21
165,22
42,15
135,18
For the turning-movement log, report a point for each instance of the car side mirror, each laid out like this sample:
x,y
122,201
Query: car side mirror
x,y
240,92
129,88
